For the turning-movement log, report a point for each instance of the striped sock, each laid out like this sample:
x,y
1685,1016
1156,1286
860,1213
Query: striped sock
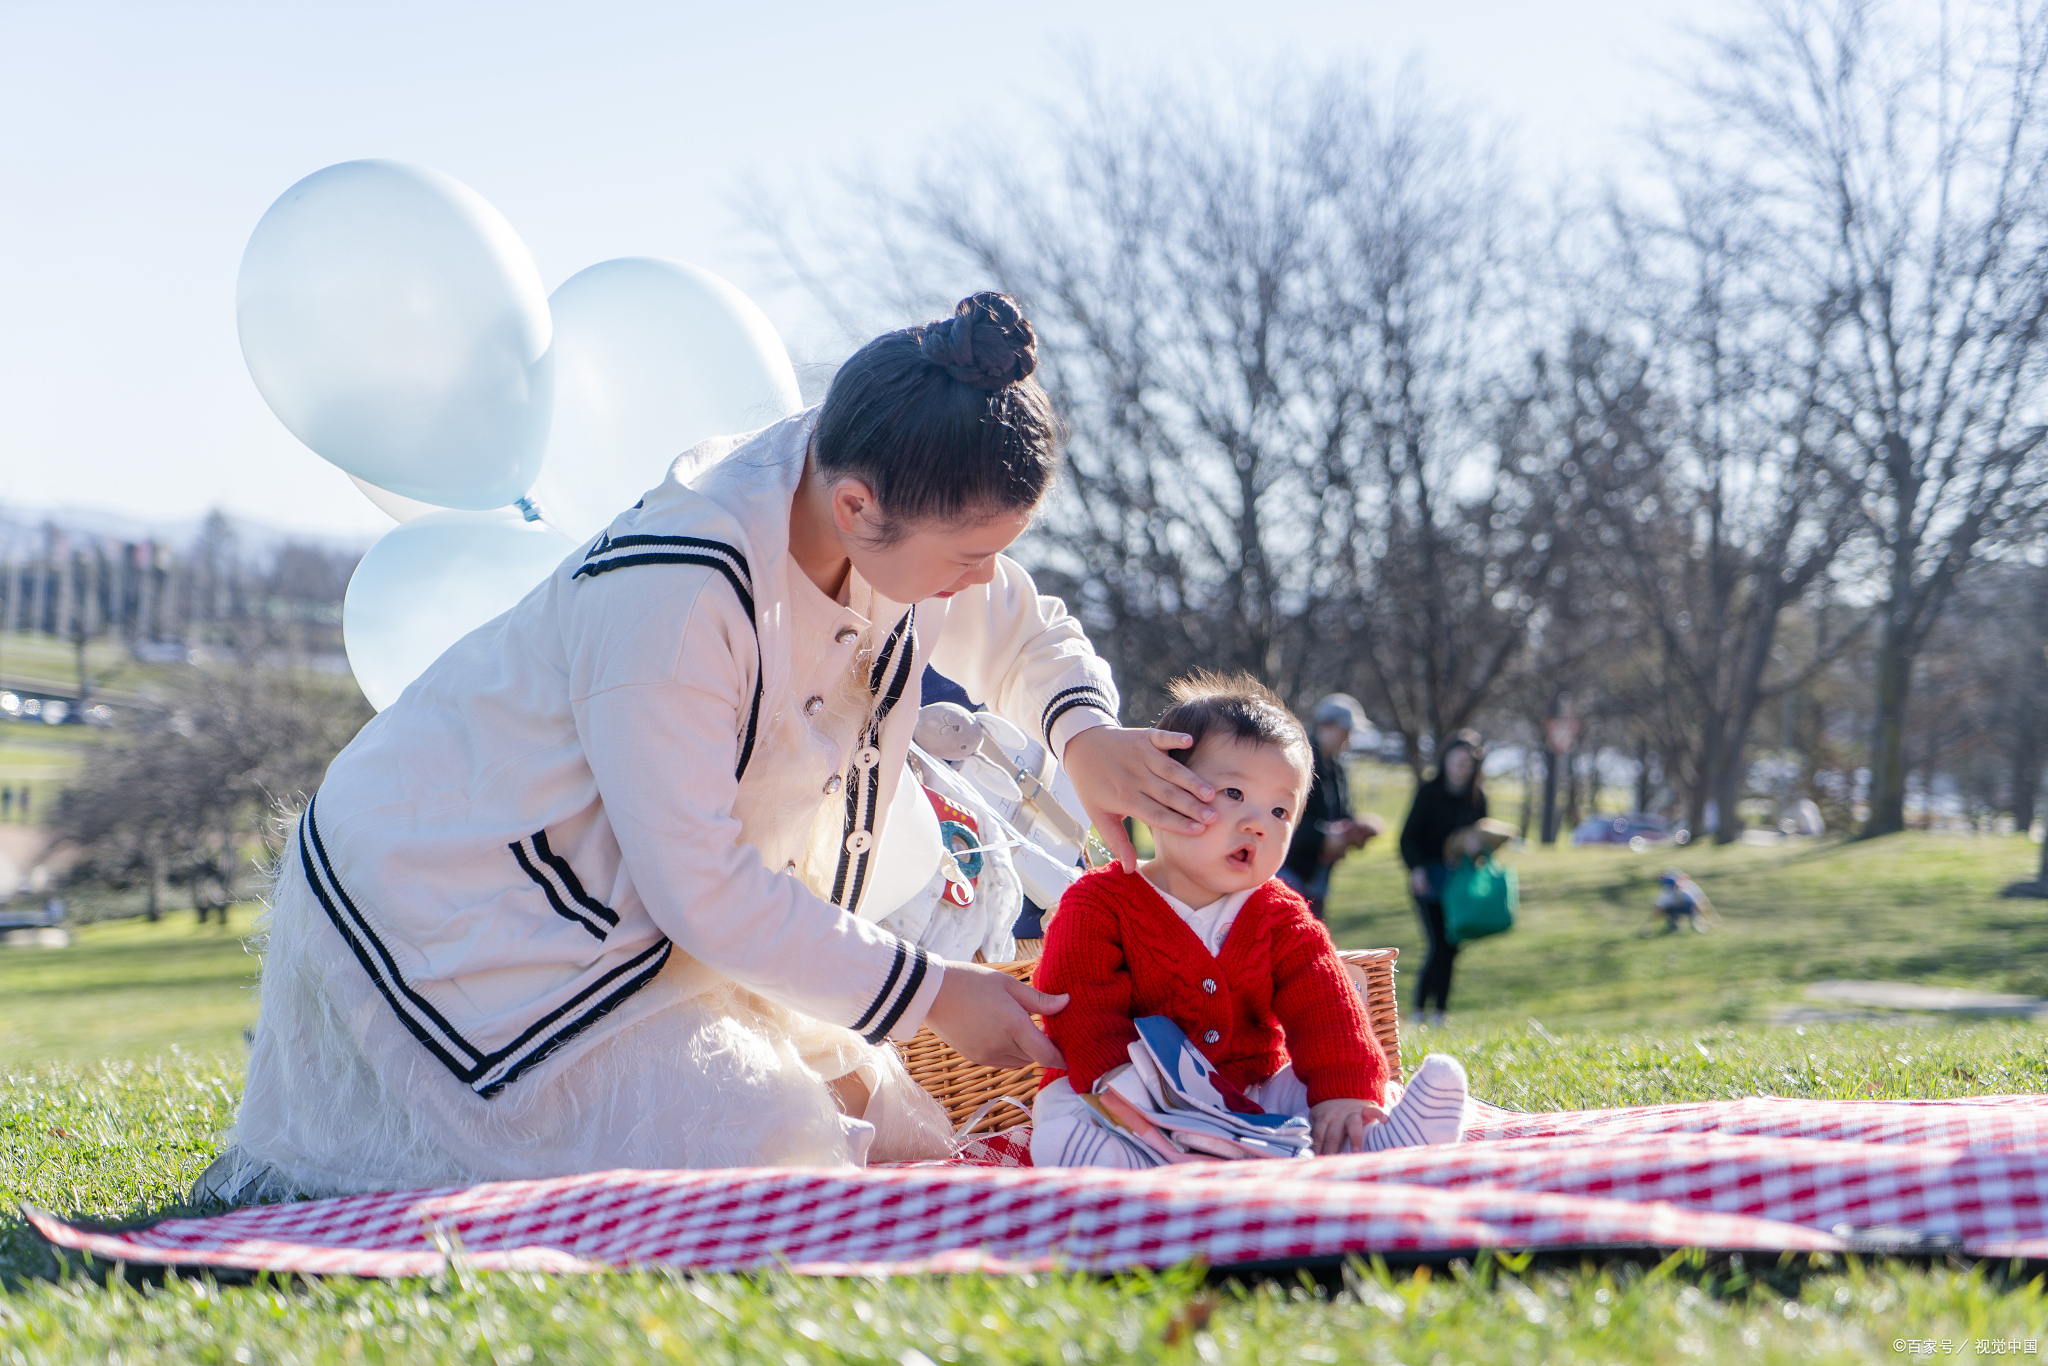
x,y
1075,1142
1431,1110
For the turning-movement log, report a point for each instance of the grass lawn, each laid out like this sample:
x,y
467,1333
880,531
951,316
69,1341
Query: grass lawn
x,y
128,990
41,759
1921,908
32,661
112,1114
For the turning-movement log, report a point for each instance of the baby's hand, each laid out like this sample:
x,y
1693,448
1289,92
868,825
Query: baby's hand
x,y
1338,1126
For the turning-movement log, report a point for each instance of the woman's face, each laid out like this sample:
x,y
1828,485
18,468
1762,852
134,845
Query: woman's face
x,y
932,559
1332,737
1458,768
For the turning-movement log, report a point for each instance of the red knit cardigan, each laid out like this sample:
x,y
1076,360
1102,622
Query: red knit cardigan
x,y
1277,992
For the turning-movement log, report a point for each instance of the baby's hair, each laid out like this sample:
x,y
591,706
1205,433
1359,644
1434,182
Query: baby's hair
x,y
1236,706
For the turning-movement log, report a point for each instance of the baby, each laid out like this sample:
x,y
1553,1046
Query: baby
x,y
1207,936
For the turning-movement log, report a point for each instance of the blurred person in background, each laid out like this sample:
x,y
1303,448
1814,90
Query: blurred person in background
x,y
1450,801
1328,830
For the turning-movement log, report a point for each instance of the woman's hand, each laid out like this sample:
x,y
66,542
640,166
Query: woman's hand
x,y
1123,771
1338,1126
987,1016
1418,882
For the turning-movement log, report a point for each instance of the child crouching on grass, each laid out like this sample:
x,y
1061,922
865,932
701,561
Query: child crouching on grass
x,y
1207,936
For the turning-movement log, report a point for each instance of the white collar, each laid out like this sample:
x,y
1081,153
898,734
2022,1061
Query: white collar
x,y
1222,910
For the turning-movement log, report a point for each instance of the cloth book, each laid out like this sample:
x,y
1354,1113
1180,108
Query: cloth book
x,y
1169,1104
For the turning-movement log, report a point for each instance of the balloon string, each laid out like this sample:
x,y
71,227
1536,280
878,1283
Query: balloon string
x,y
528,509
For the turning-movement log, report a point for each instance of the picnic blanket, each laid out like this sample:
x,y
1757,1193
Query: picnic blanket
x,y
1969,1176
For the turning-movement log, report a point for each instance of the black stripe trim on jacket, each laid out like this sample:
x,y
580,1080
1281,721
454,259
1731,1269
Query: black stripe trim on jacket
x,y
859,780
919,960
708,561
485,1073
587,911
645,965
571,882
606,544
888,652
863,794
1065,700
902,678
1073,704
856,780
888,984
871,796
414,1011
727,560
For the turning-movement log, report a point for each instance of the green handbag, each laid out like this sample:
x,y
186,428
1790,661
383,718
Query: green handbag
x,y
1479,899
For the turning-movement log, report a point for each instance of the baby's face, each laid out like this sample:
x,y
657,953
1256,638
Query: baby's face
x,y
1259,791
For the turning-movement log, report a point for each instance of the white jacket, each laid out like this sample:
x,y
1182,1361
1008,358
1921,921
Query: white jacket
x,y
591,806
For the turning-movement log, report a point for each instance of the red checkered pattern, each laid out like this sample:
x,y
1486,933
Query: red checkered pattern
x,y
1764,1174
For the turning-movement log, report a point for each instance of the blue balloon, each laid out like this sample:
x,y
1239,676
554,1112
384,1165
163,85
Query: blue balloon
x,y
651,357
393,320
433,580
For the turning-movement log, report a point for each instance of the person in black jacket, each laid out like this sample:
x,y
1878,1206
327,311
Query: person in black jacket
x,y
1328,830
1450,801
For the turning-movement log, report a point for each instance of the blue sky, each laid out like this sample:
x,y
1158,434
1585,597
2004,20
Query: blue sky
x,y
142,142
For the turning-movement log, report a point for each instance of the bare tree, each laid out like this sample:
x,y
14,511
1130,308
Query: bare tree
x,y
1899,162
200,772
1711,482
1269,321
1455,536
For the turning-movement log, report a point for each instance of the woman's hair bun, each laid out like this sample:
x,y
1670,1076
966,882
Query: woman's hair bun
x,y
987,342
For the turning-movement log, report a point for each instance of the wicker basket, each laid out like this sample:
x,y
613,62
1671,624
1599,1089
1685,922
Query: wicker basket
x,y
964,1087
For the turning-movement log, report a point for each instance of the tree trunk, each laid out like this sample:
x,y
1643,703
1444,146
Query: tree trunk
x,y
1706,791
1549,795
2026,785
1528,794
1729,776
1727,794
1888,731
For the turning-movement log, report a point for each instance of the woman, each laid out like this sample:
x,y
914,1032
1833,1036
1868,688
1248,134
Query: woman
x,y
1450,801
590,894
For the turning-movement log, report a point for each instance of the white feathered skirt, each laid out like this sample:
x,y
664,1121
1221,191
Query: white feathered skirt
x,y
341,1099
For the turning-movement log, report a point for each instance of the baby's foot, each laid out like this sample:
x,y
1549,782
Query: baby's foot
x,y
1431,1109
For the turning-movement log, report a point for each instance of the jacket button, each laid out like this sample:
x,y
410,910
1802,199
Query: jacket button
x,y
1209,985
846,635
814,706
1211,1037
859,842
832,784
867,756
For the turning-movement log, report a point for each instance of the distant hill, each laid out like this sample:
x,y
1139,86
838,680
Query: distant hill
x,y
21,531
